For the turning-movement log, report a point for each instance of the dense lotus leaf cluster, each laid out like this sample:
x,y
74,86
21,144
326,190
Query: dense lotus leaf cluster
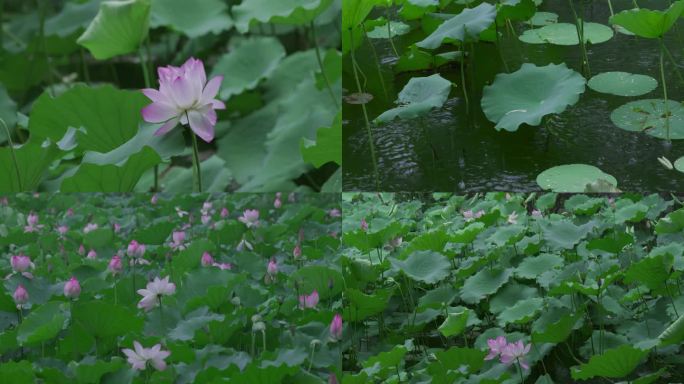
x,y
163,288
71,75
510,288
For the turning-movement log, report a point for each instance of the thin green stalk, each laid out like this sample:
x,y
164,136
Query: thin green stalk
x,y
610,6
463,82
579,25
320,64
43,10
377,60
365,112
313,351
522,379
161,312
197,173
13,154
145,70
86,71
389,32
662,79
674,63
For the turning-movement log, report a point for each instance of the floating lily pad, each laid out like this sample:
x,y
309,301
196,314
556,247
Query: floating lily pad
x,y
572,178
541,19
531,93
419,96
566,34
396,28
647,23
469,23
623,83
651,116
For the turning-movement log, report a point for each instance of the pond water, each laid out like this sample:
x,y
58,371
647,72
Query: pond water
x,y
453,150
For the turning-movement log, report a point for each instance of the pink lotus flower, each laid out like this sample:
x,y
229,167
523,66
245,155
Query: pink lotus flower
x,y
92,255
184,96
309,301
223,266
272,267
115,265
206,219
81,250
495,347
154,199
70,212
135,249
154,291
206,206
336,327
32,223
277,203
334,213
181,213
20,295
224,213
515,352
364,224
332,379
21,263
207,260
90,227
177,240
72,289
250,217
139,357
117,227
297,252
536,213
62,230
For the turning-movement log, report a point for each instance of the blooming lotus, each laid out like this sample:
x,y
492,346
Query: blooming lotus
x,y
207,260
512,218
62,230
90,227
21,263
336,327
32,223
309,301
135,249
154,291
177,240
334,213
139,357
72,289
495,347
184,96
250,217
515,352
224,212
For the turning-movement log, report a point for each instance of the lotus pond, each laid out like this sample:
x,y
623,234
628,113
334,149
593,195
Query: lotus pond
x,y
527,97
163,288
511,288
169,95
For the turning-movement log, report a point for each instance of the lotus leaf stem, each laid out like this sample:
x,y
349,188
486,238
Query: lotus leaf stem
x,y
376,58
662,79
320,64
197,172
13,154
365,112
389,32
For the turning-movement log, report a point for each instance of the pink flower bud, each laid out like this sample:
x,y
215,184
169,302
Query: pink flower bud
x,y
207,260
21,295
309,301
32,219
154,199
135,249
334,213
20,263
72,289
117,227
277,203
115,265
81,250
70,212
62,230
272,268
364,225
224,212
297,252
92,255
336,327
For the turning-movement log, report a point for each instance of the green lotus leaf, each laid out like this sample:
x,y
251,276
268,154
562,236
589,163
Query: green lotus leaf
x,y
564,234
327,147
8,113
518,10
613,363
454,324
104,117
104,320
254,58
521,312
532,267
679,164
43,324
426,266
484,283
572,178
396,28
291,12
622,83
354,12
361,305
566,34
648,23
119,28
467,24
651,271
192,18
419,97
632,213
33,159
541,19
558,331
529,94
651,116
73,17
674,334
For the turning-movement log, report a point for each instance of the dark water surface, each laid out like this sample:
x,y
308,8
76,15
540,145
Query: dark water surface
x,y
450,150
